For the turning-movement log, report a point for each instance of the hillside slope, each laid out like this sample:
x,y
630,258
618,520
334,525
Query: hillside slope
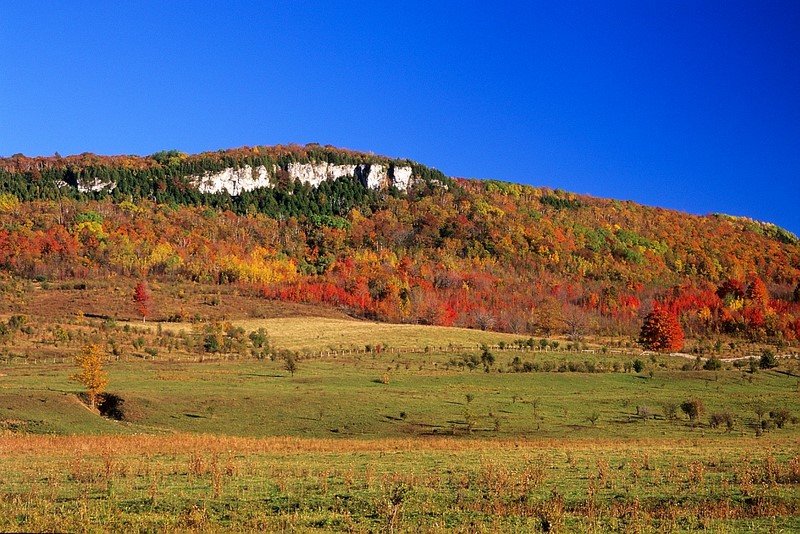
x,y
394,240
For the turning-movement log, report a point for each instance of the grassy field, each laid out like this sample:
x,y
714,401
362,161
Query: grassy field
x,y
436,485
422,435
421,398
326,333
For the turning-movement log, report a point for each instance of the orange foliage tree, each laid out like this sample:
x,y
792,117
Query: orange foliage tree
x,y
661,331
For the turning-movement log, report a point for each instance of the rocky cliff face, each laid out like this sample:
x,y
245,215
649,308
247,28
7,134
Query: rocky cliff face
x,y
94,185
236,181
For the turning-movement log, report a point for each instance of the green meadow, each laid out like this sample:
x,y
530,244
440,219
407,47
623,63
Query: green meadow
x,y
391,432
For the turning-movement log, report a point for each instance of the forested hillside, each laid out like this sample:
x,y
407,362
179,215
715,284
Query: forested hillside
x,y
482,254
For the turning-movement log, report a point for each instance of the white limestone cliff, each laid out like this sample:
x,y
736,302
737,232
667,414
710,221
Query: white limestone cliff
x,y
234,181
315,173
95,185
373,176
401,177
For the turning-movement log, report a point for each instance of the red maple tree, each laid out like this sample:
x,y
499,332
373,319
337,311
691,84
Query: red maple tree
x,y
142,298
661,331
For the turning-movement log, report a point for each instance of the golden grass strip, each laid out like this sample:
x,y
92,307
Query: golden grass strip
x,y
15,444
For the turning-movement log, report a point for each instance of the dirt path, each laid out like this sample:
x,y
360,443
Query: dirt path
x,y
738,358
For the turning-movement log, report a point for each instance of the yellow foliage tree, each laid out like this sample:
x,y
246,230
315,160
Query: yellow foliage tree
x,y
8,202
91,374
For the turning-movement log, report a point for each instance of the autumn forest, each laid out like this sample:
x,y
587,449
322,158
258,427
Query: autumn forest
x,y
453,252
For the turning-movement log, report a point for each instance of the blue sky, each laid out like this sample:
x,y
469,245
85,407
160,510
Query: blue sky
x,y
688,105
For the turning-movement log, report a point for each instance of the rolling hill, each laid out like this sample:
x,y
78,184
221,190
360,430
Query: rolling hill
x,y
393,240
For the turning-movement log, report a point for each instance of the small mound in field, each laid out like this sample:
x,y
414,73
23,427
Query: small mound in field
x,y
115,407
111,406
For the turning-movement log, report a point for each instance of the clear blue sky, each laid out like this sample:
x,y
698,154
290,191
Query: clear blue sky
x,y
690,105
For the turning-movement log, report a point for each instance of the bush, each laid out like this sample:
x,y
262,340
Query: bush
x,y
670,410
259,339
638,365
693,408
723,418
211,343
290,362
781,416
767,360
713,364
487,358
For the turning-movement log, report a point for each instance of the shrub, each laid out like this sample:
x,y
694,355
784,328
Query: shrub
x,y
713,364
259,339
767,360
211,343
487,358
670,410
290,363
693,408
781,416
638,365
720,419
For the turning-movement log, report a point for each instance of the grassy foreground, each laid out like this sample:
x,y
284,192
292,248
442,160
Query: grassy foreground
x,y
431,485
422,437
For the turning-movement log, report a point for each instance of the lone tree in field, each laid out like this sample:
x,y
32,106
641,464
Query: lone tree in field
x,y
290,363
661,331
142,297
91,374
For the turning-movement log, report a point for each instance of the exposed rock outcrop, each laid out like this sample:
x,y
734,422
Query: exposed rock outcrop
x,y
373,176
95,185
402,177
315,173
234,181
